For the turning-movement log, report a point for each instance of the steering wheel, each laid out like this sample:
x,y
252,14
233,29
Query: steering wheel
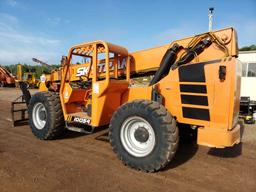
x,y
85,82
83,78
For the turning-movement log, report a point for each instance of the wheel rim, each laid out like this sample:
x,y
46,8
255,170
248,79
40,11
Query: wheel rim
x,y
137,136
39,115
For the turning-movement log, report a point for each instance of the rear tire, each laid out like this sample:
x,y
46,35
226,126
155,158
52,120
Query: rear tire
x,y
131,128
45,115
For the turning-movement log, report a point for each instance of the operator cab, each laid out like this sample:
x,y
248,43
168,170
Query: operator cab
x,y
90,69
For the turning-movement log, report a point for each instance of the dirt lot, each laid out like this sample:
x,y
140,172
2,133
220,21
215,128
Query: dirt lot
x,y
78,162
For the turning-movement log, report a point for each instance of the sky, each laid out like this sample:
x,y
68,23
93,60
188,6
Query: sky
x,y
46,29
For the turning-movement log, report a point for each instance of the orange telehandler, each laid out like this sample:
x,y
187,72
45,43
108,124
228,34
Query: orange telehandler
x,y
195,81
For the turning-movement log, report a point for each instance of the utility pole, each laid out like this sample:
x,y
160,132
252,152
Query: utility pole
x,y
210,15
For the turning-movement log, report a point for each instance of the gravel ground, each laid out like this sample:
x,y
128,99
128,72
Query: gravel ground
x,y
78,162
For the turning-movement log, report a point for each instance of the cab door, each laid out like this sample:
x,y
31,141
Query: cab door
x,y
108,84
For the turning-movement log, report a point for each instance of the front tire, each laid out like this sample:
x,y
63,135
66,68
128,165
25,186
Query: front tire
x,y
45,115
144,135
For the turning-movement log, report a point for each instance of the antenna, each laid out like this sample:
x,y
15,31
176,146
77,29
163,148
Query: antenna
x,y
210,15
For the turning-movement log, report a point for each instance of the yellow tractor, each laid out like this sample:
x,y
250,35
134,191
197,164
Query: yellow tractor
x,y
194,81
27,77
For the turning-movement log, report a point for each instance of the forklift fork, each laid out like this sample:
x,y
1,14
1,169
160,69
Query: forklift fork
x,y
21,101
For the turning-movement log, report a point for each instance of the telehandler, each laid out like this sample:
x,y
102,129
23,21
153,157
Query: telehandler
x,y
195,81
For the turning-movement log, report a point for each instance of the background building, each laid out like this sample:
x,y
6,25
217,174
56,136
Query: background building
x,y
248,86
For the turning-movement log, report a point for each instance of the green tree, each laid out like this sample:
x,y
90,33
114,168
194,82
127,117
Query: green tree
x,y
38,69
248,48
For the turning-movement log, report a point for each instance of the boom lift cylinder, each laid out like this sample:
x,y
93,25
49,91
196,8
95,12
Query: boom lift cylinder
x,y
166,63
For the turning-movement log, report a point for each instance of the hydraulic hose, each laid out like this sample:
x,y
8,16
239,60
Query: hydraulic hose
x,y
192,53
166,63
